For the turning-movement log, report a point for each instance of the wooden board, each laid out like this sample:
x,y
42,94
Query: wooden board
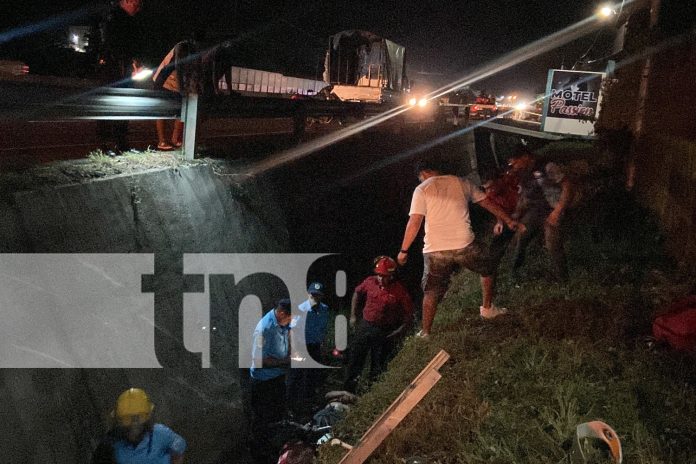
x,y
397,411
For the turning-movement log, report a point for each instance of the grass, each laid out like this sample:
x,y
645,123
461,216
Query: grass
x,y
97,165
516,387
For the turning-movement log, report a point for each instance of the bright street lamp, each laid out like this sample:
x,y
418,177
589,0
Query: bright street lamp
x,y
606,12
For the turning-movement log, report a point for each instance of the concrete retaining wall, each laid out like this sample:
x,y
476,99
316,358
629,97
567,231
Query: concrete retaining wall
x,y
52,416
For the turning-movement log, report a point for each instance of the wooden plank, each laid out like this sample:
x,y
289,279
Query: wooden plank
x,y
397,411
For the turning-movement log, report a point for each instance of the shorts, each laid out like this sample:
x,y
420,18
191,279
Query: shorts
x,y
438,266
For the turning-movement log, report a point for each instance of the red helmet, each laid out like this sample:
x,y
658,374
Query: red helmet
x,y
384,265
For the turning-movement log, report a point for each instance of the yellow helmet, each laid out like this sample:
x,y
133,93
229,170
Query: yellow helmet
x,y
133,405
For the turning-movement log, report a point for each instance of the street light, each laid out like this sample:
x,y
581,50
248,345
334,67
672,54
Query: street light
x,y
606,12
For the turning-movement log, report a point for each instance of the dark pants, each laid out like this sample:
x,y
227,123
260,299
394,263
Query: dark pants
x,y
553,241
534,222
371,340
499,244
267,402
302,384
113,135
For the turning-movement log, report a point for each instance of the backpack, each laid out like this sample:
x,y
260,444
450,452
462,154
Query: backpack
x,y
677,326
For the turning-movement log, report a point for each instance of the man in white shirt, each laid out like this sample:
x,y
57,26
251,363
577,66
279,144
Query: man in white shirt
x,y
443,202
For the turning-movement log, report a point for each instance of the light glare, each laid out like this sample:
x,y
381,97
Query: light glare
x,y
606,11
142,75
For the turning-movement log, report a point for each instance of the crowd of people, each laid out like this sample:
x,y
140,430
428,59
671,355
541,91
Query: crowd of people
x,y
527,201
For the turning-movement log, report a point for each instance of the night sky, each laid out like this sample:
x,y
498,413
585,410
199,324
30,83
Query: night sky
x,y
445,39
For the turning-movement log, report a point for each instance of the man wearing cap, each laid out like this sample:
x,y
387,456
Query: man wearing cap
x,y
135,438
385,313
270,362
303,383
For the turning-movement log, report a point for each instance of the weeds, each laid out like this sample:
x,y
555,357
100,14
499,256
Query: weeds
x,y
515,388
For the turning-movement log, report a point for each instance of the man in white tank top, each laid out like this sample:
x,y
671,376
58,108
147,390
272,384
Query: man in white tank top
x,y
443,202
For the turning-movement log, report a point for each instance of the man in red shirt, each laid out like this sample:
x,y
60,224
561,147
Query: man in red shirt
x,y
501,189
385,310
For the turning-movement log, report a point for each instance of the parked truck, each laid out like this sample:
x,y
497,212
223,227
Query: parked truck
x,y
362,66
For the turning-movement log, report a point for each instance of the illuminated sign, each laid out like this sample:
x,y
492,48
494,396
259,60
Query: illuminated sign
x,y
572,102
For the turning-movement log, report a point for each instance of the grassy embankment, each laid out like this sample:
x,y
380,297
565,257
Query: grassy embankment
x,y
516,387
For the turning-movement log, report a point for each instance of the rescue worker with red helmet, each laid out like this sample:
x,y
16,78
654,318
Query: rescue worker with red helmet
x,y
135,438
381,312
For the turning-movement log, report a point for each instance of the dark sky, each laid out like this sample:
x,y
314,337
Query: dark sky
x,y
445,39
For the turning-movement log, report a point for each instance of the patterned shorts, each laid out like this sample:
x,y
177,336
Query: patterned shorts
x,y
439,266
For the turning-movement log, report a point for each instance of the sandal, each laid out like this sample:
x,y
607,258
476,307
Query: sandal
x,y
164,146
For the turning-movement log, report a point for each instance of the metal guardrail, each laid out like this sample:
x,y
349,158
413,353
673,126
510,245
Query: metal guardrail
x,y
34,98
38,101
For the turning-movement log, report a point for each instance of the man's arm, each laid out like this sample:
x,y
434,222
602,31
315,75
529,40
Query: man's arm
x,y
356,304
566,193
260,348
412,227
177,446
407,314
498,212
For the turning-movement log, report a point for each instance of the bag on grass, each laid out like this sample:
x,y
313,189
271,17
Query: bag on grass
x,y
677,326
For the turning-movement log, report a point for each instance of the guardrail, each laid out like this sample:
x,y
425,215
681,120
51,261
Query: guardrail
x,y
34,98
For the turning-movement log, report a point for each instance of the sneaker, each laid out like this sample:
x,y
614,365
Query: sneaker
x,y
422,335
492,312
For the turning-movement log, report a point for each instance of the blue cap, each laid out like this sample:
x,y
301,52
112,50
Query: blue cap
x,y
316,288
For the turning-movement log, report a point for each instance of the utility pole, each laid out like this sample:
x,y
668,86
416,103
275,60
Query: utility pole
x,y
639,121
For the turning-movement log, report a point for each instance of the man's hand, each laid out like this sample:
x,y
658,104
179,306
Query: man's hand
x,y
517,226
402,258
554,218
136,67
353,320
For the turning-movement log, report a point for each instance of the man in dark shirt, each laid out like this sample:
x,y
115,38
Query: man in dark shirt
x,y
123,40
532,207
385,310
120,58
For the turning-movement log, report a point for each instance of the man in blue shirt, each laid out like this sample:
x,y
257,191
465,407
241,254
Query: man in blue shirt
x,y
303,383
270,361
135,439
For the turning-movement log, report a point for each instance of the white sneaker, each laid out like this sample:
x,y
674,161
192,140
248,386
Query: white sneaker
x,y
422,335
490,313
